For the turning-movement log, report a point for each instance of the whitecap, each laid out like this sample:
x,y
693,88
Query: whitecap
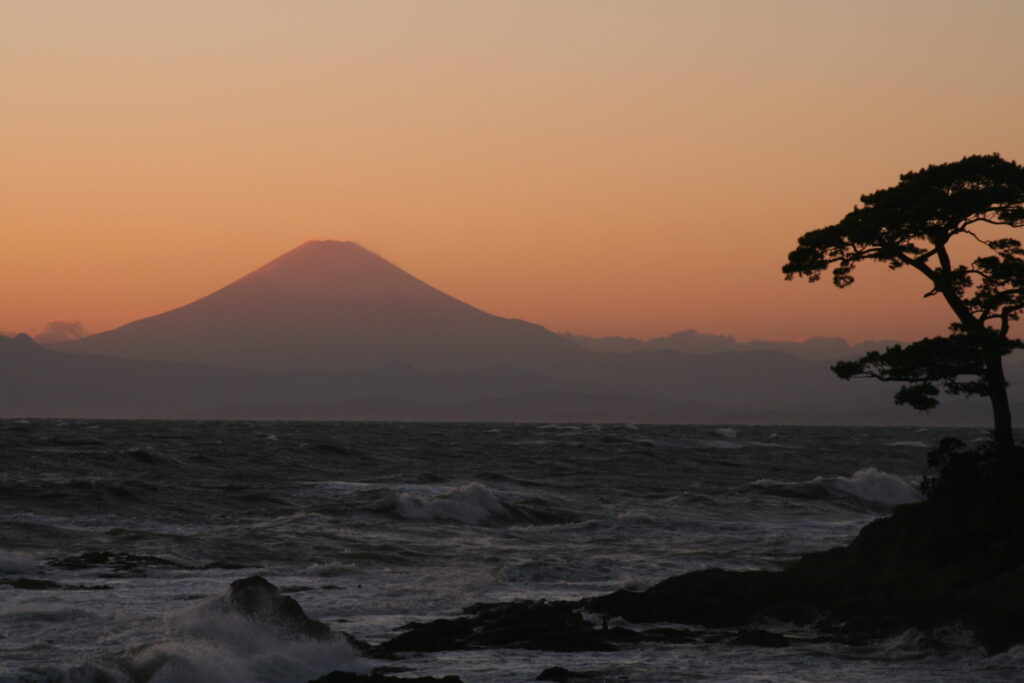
x,y
908,444
473,503
868,485
876,486
332,569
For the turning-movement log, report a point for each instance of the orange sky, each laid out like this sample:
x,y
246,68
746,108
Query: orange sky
x,y
630,168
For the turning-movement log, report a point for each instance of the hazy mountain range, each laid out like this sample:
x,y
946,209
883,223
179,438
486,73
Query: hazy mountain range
x,y
692,341
332,331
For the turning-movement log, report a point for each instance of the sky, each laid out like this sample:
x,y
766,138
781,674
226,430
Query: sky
x,y
627,168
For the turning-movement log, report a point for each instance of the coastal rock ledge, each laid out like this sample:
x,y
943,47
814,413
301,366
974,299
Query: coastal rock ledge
x,y
928,565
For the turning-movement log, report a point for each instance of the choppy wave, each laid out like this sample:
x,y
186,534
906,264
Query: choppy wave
x,y
54,614
326,569
726,439
473,504
877,486
868,485
470,504
381,524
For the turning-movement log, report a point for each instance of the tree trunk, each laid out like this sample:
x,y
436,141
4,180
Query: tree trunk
x,y
1002,422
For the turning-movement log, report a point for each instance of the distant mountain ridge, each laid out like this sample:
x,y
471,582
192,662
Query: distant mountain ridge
x,y
39,382
692,341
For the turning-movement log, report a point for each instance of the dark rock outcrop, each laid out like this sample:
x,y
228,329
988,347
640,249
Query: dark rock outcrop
x,y
553,626
258,599
349,677
760,638
929,564
560,674
539,625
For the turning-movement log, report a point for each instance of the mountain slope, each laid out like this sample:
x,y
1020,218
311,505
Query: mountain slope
x,y
332,306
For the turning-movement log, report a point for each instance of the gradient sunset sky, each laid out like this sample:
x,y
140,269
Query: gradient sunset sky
x,y
631,168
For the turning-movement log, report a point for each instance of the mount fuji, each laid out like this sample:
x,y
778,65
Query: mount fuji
x,y
330,306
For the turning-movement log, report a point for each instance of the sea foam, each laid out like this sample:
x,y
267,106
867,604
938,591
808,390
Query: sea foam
x,y
204,642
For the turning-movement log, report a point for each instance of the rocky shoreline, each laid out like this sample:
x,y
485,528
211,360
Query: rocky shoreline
x,y
928,565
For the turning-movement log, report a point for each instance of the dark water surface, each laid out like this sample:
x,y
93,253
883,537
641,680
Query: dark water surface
x,y
372,525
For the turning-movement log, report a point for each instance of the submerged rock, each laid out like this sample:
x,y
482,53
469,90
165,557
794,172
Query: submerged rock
x,y
258,599
712,597
349,677
31,584
526,624
46,584
560,674
127,562
536,625
760,638
115,561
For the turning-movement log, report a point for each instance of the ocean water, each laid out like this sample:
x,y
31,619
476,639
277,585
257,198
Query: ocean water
x,y
373,525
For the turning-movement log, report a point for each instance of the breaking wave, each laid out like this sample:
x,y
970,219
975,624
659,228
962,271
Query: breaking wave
x,y
869,485
473,504
204,642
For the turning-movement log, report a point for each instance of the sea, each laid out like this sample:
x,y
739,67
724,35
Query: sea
x,y
118,540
